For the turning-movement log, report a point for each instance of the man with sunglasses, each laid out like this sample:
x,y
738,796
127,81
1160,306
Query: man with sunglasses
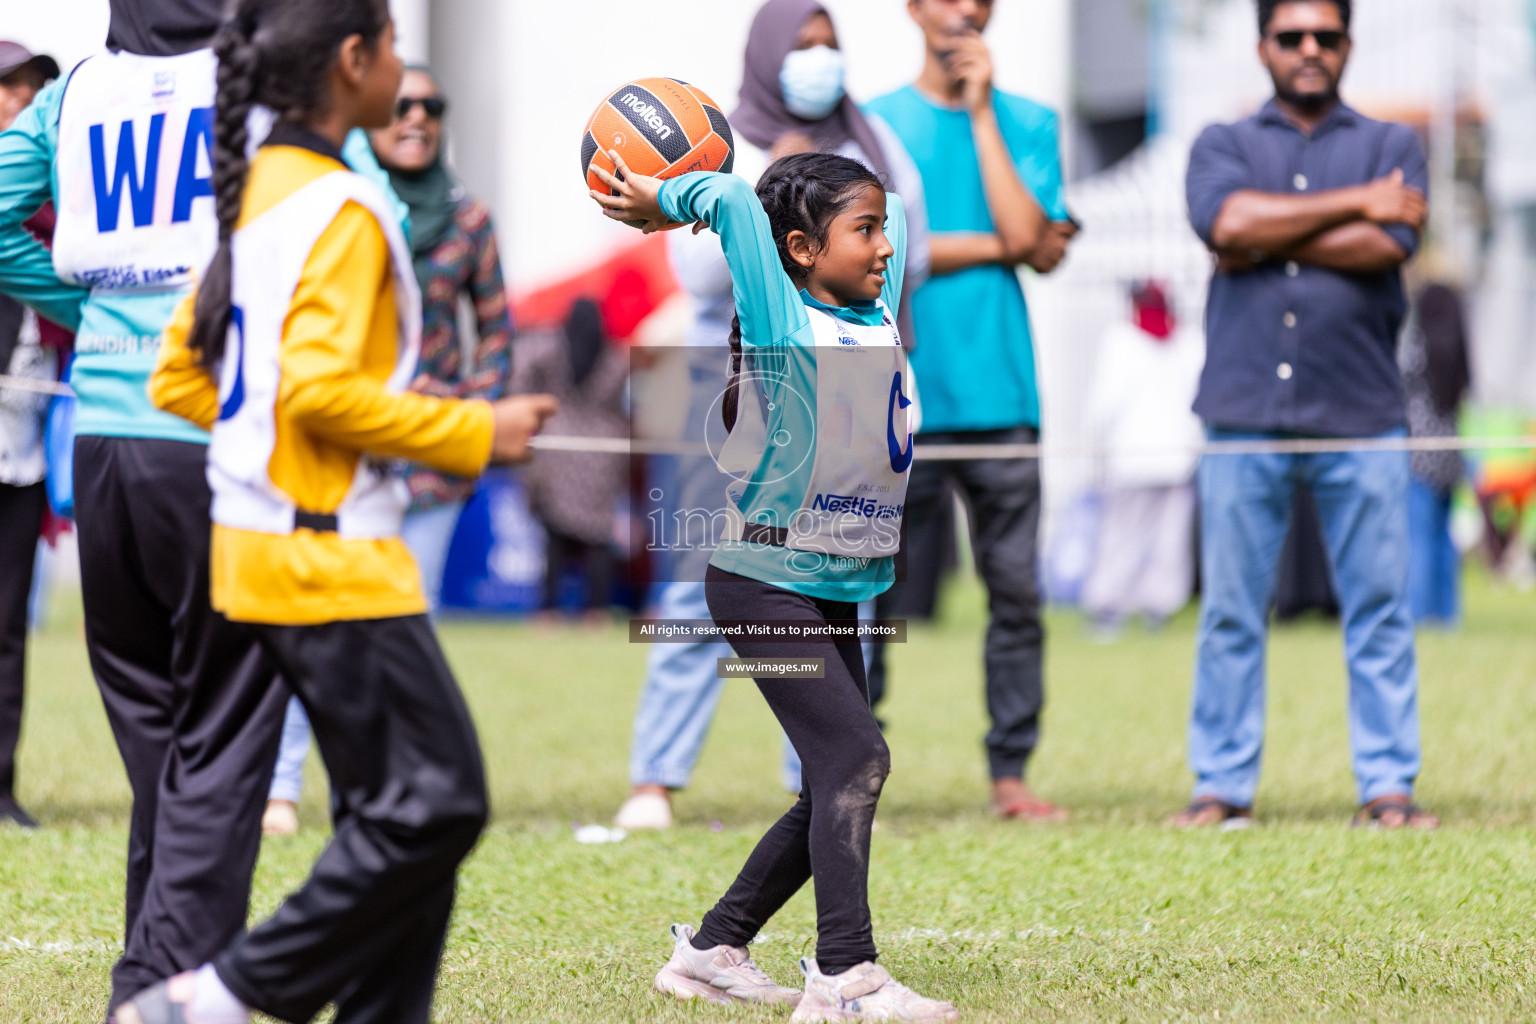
x,y
1311,209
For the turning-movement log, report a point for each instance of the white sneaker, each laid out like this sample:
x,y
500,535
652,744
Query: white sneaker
x,y
644,811
865,992
193,997
721,974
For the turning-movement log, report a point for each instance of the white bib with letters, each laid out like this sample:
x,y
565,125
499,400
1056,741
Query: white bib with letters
x,y
855,496
269,257
135,171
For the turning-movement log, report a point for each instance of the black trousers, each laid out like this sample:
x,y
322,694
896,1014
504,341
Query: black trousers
x,y
21,517
825,835
1003,499
928,555
195,707
366,929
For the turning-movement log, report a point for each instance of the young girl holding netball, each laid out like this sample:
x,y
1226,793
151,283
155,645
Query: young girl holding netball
x,y
296,350
817,413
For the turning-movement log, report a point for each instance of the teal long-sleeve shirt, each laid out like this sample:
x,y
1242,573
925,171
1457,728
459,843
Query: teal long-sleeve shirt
x,y
117,333
773,316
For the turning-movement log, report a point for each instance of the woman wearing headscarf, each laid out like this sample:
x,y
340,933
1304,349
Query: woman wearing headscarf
x,y
453,244
792,100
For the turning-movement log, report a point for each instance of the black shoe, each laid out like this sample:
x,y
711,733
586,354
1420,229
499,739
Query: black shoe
x,y
12,813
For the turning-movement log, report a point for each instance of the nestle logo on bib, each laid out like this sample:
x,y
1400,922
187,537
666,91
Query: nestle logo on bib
x,y
850,504
165,84
647,113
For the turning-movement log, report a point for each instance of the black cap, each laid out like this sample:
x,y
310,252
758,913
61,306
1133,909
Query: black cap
x,y
14,57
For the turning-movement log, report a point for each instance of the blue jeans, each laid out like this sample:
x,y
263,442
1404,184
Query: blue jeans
x,y
1362,500
288,777
1434,564
428,534
679,700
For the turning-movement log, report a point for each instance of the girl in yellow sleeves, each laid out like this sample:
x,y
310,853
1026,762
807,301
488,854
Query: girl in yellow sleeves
x,y
296,351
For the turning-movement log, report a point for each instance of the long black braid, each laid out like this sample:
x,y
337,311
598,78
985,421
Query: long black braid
x,y
277,54
804,192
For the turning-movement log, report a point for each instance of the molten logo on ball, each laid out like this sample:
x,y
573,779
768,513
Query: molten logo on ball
x,y
647,113
661,127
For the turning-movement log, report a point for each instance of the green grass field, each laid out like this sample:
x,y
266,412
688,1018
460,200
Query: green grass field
x,y
1109,918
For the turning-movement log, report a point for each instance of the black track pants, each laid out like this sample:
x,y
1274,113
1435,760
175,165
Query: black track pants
x,y
1003,499
195,707
825,835
366,930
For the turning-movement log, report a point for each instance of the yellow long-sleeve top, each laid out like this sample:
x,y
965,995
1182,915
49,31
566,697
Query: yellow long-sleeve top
x,y
339,347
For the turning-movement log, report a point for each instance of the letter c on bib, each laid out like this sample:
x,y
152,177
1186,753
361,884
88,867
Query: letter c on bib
x,y
900,460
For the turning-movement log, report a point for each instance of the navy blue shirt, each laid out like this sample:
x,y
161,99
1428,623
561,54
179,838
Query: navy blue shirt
x,y
1290,347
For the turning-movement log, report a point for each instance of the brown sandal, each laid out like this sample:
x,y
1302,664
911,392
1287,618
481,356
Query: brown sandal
x,y
1207,811
1033,809
1392,812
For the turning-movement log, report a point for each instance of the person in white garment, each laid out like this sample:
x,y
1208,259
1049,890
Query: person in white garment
x,y
1139,412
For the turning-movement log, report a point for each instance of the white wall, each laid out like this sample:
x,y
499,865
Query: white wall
x,y
412,21
67,30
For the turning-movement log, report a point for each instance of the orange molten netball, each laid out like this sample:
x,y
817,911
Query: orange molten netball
x,y
661,127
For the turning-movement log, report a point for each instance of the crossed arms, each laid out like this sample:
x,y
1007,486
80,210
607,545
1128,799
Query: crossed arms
x,y
1339,230
1360,229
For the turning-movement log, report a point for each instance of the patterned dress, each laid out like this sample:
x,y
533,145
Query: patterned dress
x,y
466,263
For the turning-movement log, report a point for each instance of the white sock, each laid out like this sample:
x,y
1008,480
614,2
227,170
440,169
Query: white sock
x,y
213,1003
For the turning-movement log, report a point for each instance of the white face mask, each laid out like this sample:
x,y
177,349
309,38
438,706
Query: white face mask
x,y
812,82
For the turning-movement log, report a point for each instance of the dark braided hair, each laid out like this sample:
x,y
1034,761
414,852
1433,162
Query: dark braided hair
x,y
277,54
804,192
1267,12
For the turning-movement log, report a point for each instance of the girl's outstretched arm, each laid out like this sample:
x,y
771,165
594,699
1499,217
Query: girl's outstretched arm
x,y
325,338
767,301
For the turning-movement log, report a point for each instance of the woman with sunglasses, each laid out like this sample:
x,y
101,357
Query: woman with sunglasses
x,y
454,248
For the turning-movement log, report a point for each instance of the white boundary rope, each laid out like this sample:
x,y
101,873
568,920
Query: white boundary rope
x,y
41,387
978,452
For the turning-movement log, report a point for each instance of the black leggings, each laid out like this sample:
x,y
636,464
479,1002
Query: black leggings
x,y
825,835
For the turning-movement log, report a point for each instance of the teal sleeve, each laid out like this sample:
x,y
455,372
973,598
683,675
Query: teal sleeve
x,y
896,266
358,154
26,183
767,301
1040,169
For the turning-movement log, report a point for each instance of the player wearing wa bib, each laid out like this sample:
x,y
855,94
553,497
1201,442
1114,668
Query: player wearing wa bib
x,y
123,149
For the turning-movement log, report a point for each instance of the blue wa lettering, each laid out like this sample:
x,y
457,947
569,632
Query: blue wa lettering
x,y
126,178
